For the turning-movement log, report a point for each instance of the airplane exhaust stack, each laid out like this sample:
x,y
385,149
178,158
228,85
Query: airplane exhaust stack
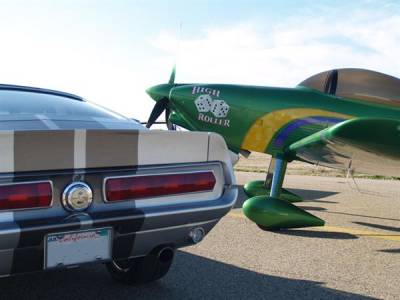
x,y
273,213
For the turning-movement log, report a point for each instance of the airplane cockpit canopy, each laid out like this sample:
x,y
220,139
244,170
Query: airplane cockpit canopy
x,y
357,84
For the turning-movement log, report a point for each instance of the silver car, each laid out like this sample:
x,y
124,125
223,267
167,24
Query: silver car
x,y
81,184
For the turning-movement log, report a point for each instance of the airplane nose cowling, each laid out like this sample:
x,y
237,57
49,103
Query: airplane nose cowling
x,y
159,91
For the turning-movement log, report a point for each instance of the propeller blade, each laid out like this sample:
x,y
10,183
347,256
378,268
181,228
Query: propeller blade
x,y
172,77
158,108
161,90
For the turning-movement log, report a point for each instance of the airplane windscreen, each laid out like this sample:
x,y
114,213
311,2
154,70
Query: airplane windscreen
x,y
357,84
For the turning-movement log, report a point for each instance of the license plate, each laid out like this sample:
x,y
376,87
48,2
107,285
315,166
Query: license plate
x,y
72,248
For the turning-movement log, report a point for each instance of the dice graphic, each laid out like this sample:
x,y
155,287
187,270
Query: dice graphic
x,y
219,108
203,103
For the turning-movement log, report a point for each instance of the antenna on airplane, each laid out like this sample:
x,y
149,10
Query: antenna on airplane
x,y
163,103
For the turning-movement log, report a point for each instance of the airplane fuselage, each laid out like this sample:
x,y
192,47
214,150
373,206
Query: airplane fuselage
x,y
265,119
346,119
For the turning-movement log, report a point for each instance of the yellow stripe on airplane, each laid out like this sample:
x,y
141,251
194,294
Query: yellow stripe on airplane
x,y
263,129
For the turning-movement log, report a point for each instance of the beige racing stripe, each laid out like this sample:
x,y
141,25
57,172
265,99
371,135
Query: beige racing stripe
x,y
43,150
6,151
80,149
167,147
111,148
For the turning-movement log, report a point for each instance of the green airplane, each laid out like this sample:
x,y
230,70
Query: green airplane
x,y
344,119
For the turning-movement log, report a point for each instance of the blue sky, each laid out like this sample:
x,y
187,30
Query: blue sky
x,y
110,51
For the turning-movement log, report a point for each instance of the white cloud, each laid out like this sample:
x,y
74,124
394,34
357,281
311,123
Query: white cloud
x,y
289,52
114,71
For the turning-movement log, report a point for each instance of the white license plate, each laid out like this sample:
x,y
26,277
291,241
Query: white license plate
x,y
77,247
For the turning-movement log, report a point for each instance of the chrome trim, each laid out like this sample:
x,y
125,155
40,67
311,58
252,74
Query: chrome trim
x,y
155,174
30,182
202,232
195,224
76,215
189,210
115,264
29,89
66,201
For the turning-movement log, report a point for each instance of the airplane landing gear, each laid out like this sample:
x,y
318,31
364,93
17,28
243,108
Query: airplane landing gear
x,y
262,188
271,212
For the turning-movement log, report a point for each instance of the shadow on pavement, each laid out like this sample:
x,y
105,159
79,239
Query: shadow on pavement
x,y
241,197
313,195
308,195
379,226
318,234
394,251
191,277
362,216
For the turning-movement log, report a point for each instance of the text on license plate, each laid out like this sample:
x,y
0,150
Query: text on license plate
x,y
71,248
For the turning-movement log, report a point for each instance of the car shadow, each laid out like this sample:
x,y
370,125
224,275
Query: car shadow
x,y
191,277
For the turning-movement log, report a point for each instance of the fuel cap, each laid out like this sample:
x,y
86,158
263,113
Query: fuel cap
x,y
77,196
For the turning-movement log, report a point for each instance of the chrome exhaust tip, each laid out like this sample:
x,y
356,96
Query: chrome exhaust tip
x,y
165,255
196,235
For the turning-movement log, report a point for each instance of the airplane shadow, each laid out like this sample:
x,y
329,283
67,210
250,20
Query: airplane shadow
x,y
379,226
313,195
308,195
191,277
317,234
362,216
394,251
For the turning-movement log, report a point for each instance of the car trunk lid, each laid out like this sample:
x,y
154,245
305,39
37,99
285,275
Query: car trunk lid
x,y
46,150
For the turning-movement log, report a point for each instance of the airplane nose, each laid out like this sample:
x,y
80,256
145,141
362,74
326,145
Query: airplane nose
x,y
160,91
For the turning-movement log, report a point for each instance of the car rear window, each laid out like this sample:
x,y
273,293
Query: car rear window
x,y
32,103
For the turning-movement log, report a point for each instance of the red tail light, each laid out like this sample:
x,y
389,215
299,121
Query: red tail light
x,y
126,188
25,195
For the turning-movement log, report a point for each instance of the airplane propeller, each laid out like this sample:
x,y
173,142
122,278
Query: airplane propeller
x,y
158,109
159,93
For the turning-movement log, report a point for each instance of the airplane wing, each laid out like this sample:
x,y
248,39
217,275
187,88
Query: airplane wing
x,y
364,145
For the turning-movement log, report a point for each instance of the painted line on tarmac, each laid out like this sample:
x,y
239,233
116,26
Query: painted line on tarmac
x,y
353,231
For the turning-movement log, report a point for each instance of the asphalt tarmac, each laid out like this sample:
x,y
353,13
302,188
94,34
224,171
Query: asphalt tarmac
x,y
356,255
